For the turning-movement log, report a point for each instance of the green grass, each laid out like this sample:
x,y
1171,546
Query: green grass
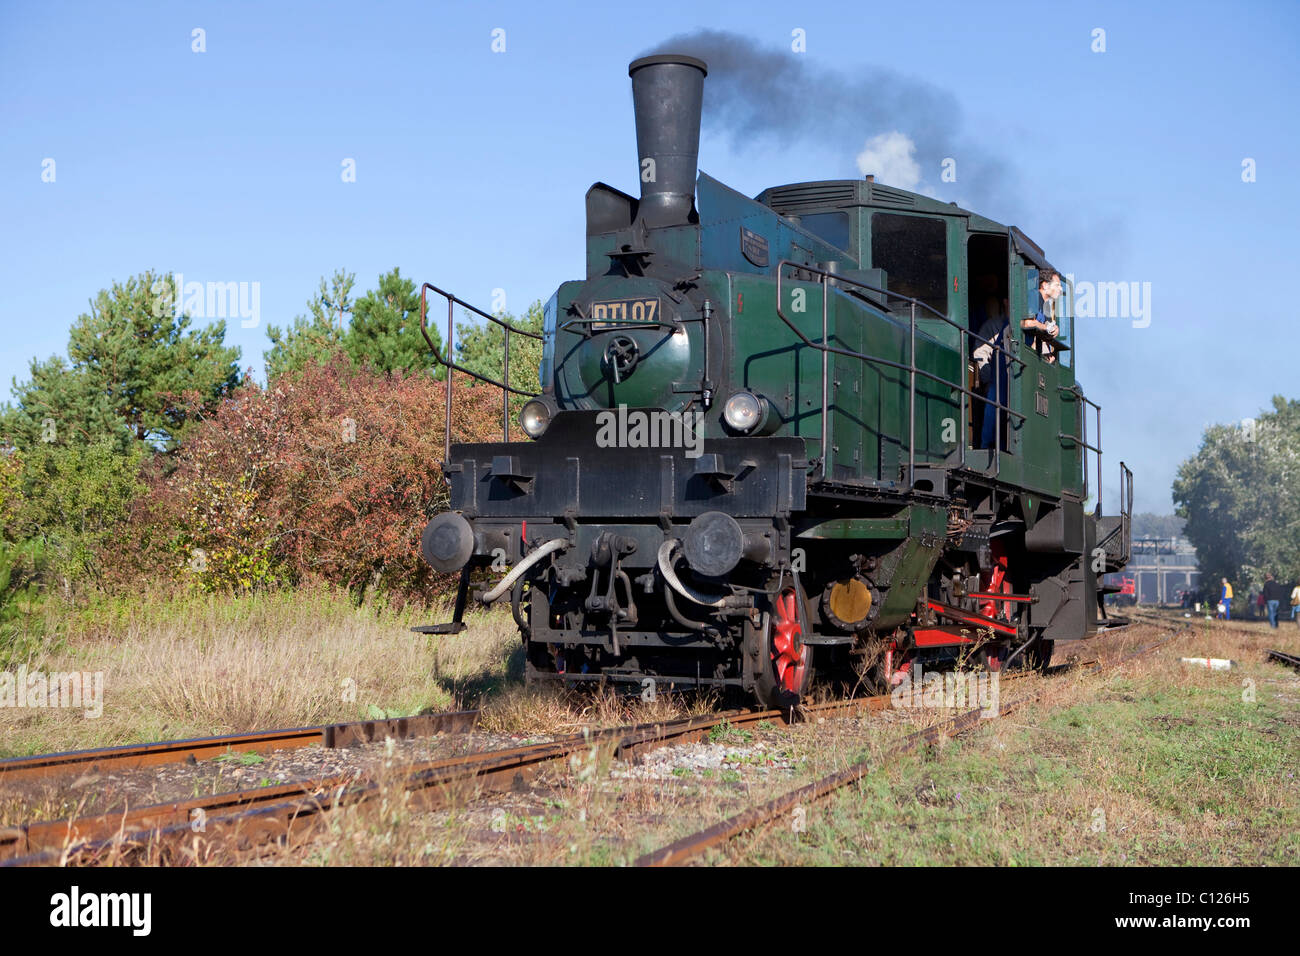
x,y
243,759
725,733
1142,773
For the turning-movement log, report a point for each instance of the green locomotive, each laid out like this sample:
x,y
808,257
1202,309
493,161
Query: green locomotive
x,y
764,448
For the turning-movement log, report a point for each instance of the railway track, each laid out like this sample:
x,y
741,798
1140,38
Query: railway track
x,y
692,846
1270,654
190,830
133,756
1290,660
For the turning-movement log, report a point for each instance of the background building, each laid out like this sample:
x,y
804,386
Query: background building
x,y
1162,568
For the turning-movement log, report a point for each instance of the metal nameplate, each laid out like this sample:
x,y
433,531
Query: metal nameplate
x,y
754,247
623,311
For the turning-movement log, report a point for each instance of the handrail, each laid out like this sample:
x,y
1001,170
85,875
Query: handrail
x,y
1123,529
1078,441
506,390
910,368
1082,439
1126,508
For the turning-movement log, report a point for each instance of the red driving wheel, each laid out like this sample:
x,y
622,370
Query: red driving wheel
x,y
789,652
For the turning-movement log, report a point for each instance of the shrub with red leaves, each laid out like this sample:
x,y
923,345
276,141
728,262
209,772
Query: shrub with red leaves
x,y
330,473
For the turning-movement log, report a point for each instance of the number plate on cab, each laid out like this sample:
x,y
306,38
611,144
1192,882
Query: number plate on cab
x,y
611,312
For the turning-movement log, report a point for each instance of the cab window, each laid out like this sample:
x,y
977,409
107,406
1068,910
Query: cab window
x,y
1065,318
831,227
913,251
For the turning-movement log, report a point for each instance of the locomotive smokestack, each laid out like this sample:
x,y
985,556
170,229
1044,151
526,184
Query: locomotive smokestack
x,y
667,95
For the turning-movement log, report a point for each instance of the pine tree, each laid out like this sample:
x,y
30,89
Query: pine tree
x,y
136,368
318,336
58,405
385,329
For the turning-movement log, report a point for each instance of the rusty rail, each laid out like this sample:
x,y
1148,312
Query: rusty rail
x,y
689,847
268,814
202,748
1290,660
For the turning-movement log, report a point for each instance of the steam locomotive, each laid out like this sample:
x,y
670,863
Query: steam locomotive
x,y
756,456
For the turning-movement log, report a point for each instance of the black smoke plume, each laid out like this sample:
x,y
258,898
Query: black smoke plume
x,y
757,94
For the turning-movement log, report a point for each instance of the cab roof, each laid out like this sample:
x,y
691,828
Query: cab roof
x,y
794,199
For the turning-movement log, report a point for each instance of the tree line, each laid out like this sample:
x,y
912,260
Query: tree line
x,y
146,451
1239,495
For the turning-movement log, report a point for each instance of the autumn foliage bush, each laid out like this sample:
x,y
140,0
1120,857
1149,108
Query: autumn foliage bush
x,y
328,473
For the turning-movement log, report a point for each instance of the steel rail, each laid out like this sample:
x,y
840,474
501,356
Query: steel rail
x,y
1290,660
689,847
131,756
89,835
268,813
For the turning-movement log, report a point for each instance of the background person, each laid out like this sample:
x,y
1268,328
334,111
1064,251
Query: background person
x,y
1225,600
1273,594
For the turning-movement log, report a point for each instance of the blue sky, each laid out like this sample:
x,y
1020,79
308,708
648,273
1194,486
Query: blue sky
x,y
225,165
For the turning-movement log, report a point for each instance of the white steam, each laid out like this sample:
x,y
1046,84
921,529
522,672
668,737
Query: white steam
x,y
891,158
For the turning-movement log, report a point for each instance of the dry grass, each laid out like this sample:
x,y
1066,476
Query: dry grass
x,y
1154,762
194,667
556,711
